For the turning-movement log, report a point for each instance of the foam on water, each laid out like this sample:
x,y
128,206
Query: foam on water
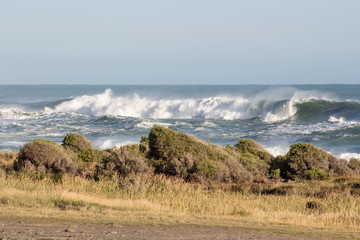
x,y
277,150
264,106
348,156
343,121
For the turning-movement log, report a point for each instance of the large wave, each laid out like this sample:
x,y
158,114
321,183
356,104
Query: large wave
x,y
269,107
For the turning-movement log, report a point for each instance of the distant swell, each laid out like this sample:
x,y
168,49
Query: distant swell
x,y
321,110
300,105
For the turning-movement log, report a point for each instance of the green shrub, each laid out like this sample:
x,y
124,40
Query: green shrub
x,y
339,167
144,145
254,148
275,174
316,174
90,155
303,157
184,156
87,156
76,142
254,157
45,156
123,161
354,164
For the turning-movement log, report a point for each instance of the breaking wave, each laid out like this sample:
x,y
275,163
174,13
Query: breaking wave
x,y
267,106
216,107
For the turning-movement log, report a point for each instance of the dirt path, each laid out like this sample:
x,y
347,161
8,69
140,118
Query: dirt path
x,y
29,229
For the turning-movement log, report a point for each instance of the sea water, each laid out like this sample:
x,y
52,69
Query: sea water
x,y
327,116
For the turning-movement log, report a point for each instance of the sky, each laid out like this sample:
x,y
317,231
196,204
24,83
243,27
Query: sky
x,y
179,42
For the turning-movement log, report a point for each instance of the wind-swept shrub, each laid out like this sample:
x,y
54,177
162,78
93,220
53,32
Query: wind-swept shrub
x,y
250,146
76,142
339,167
354,165
316,174
254,157
87,157
123,161
182,155
45,156
303,157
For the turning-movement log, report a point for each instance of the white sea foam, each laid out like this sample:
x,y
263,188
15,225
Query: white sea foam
x,y
14,113
110,143
265,106
278,150
348,156
149,124
342,121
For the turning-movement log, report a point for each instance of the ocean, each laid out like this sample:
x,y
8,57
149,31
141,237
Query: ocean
x,y
276,116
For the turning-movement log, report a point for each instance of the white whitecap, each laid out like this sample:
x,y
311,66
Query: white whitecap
x,y
268,106
277,150
348,156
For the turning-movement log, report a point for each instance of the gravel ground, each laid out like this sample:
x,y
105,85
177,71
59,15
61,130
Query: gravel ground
x,y
27,229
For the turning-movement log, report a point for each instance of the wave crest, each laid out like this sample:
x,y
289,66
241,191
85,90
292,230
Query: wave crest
x,y
268,109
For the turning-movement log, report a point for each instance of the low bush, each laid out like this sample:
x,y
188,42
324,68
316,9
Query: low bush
x,y
76,142
90,155
123,161
184,156
254,157
305,161
316,174
354,164
87,157
45,156
275,174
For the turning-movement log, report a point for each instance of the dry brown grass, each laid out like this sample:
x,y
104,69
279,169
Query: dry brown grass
x,y
7,160
148,199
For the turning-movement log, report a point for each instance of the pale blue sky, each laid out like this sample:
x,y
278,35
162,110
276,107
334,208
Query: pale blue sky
x,y
179,42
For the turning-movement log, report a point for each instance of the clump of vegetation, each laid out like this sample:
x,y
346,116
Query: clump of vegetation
x,y
82,147
87,156
69,204
251,147
144,145
316,174
184,156
44,156
315,206
90,155
254,157
280,190
275,174
76,142
123,161
7,160
354,164
305,161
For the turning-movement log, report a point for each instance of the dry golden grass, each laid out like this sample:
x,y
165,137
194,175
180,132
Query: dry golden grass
x,y
7,160
147,199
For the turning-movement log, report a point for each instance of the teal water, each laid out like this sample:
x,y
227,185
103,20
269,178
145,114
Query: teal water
x,y
276,116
